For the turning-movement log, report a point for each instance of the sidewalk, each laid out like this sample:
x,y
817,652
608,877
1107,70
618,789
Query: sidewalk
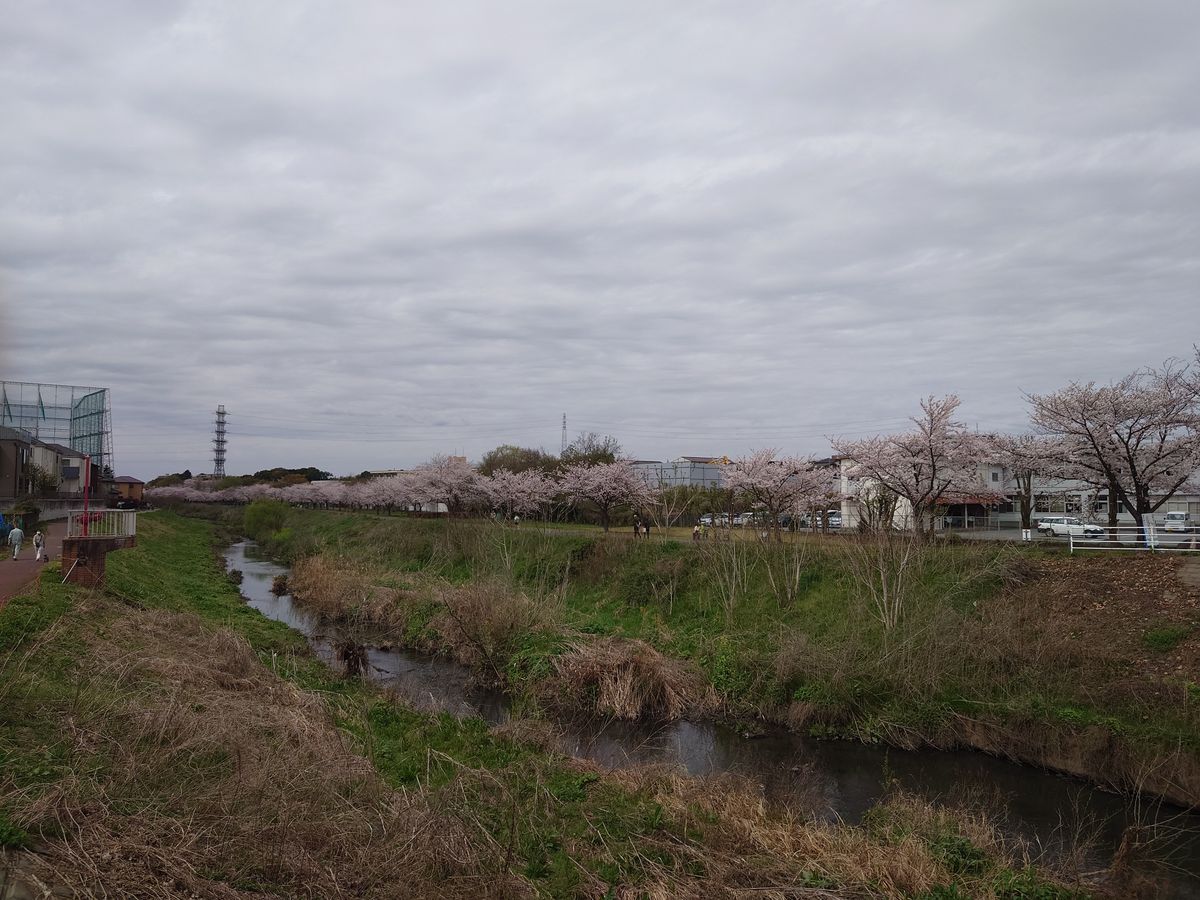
x,y
14,576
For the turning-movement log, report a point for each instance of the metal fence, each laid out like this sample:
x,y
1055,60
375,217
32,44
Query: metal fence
x,y
102,523
971,523
1154,539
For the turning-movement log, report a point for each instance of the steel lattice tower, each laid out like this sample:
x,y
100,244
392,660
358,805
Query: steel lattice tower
x,y
219,444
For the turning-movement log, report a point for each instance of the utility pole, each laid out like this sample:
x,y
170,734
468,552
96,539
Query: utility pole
x,y
563,448
219,444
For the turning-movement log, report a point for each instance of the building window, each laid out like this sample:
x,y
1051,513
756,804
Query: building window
x,y
1049,503
995,476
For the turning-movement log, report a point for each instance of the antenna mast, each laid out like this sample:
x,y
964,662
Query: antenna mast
x,y
219,444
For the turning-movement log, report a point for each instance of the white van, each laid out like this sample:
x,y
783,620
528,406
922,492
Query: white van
x,y
1178,521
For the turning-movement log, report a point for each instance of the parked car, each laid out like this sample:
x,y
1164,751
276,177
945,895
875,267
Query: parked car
x,y
1178,521
818,521
707,520
1077,527
1046,525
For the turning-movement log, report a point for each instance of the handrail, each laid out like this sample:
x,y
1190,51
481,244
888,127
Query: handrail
x,y
101,523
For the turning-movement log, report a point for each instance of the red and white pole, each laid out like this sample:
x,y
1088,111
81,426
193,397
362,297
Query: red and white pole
x,y
87,489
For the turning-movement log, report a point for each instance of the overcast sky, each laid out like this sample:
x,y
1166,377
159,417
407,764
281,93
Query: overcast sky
x,y
378,231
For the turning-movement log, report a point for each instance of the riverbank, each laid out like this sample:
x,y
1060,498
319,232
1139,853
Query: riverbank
x,y
164,739
1085,665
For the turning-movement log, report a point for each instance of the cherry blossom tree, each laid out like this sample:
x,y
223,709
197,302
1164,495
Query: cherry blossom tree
x,y
449,480
608,486
1026,457
776,486
1139,435
935,463
518,493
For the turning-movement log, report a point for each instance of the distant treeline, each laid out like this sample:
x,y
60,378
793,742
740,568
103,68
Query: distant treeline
x,y
278,476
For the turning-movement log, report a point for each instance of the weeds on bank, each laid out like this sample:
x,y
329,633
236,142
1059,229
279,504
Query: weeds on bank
x,y
776,624
189,750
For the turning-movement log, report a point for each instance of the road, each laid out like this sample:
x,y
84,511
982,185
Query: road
x,y
14,576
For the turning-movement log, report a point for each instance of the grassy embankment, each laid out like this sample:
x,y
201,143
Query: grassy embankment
x,y
162,739
1087,665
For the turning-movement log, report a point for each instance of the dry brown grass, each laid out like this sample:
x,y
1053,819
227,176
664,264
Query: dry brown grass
x,y
625,679
752,849
480,622
225,781
344,592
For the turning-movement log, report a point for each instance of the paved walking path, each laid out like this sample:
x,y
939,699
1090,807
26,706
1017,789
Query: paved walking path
x,y
14,576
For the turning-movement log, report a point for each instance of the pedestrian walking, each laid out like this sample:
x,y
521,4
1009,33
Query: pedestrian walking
x,y
14,540
695,532
637,528
646,530
39,545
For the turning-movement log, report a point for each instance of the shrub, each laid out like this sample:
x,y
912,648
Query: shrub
x,y
264,517
482,624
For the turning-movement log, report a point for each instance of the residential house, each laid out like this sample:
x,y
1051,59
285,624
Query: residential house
x,y
69,466
129,488
16,461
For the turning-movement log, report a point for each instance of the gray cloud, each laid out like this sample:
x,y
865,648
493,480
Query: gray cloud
x,y
387,231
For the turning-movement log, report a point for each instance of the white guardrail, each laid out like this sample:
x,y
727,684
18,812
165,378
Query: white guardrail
x,y
102,523
1154,538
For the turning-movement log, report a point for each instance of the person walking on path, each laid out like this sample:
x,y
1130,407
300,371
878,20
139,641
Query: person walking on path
x,y
39,546
14,540
646,529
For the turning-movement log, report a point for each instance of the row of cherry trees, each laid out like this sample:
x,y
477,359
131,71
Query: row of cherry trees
x,y
760,481
1137,438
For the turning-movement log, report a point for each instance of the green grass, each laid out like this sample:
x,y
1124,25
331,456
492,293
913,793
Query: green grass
x,y
1166,638
174,568
38,662
866,680
563,826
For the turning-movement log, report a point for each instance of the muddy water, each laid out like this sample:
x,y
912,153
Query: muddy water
x,y
834,779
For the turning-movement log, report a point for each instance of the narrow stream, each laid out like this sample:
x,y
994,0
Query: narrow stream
x,y
833,779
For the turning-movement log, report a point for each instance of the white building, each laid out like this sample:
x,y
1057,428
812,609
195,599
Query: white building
x,y
684,471
1051,496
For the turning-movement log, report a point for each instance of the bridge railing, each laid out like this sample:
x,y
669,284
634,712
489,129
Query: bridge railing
x,y
102,523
